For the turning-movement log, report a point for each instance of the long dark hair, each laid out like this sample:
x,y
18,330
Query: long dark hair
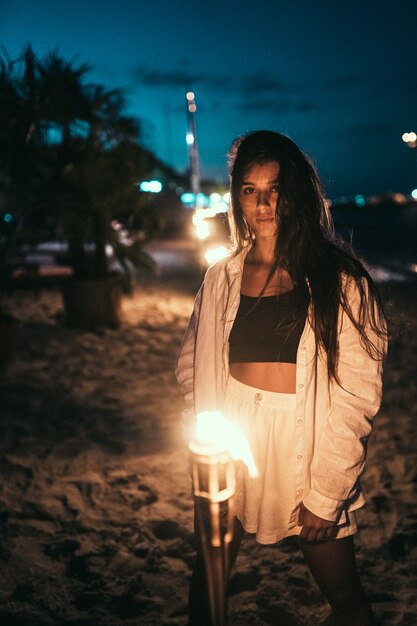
x,y
307,246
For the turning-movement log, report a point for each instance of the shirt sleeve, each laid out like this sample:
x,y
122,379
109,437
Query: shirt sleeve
x,y
184,369
340,455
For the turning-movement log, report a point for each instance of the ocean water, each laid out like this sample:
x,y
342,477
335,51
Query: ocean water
x,y
385,236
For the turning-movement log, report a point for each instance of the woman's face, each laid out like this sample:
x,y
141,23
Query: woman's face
x,y
258,196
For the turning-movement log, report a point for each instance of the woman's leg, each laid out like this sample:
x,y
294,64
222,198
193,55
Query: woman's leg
x,y
333,566
198,606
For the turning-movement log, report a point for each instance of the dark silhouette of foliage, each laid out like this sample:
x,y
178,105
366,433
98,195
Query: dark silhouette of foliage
x,y
69,161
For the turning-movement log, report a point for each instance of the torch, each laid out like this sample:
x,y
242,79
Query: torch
x,y
216,443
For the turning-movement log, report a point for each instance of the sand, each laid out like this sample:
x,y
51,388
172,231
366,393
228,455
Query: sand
x,y
95,504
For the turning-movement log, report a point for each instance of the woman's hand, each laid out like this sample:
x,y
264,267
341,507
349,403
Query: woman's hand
x,y
314,528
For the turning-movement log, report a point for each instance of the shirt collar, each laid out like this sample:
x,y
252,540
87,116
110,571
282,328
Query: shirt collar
x,y
236,261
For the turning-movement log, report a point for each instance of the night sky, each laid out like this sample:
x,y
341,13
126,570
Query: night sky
x,y
337,77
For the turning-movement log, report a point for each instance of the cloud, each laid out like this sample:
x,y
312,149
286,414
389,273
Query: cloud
x,y
255,84
362,130
349,81
277,106
180,78
372,128
251,92
261,83
163,78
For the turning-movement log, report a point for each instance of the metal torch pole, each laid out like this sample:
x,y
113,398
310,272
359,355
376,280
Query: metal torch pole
x,y
213,490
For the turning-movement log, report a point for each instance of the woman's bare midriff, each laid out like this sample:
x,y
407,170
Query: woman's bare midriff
x,y
277,377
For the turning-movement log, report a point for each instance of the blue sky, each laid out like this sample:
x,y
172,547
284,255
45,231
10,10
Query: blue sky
x,y
338,77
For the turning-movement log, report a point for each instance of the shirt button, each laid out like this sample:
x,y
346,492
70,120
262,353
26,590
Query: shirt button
x,y
299,457
303,349
299,421
299,491
300,386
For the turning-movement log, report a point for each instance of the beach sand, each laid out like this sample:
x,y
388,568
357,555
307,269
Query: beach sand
x,y
95,501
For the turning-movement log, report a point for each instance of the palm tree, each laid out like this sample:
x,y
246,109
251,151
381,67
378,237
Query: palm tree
x,y
35,97
63,143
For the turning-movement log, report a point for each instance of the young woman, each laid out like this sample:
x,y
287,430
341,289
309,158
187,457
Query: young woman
x,y
287,337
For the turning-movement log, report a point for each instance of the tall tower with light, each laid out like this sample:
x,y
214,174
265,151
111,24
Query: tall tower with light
x,y
191,139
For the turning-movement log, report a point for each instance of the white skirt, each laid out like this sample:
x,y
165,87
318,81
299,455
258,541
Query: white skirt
x,y
265,505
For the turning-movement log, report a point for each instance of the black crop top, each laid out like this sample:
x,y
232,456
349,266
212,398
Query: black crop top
x,y
268,329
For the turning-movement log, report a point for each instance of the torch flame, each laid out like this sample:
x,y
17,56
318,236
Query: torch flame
x,y
216,432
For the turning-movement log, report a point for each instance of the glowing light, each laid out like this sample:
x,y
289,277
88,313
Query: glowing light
x,y
216,254
201,199
201,226
360,200
217,203
399,198
202,229
410,139
152,186
192,107
8,217
54,134
187,198
219,207
201,214
190,95
414,194
226,196
189,138
216,433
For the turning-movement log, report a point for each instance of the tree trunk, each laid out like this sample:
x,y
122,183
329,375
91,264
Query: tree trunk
x,y
77,257
101,265
92,303
9,328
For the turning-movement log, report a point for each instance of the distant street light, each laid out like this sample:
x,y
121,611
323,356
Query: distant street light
x,y
151,186
192,146
410,139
